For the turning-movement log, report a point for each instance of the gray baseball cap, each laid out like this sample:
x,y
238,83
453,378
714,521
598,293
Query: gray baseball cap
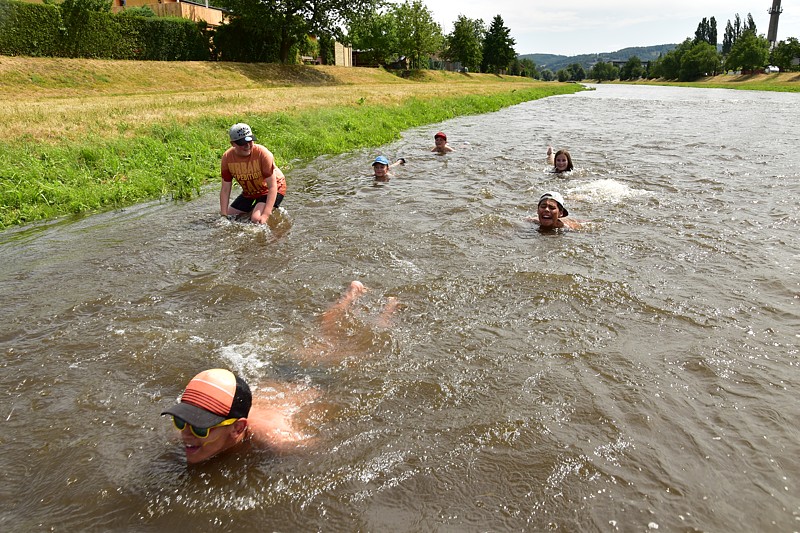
x,y
241,131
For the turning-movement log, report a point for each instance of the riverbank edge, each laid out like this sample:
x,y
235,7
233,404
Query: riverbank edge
x,y
777,82
174,161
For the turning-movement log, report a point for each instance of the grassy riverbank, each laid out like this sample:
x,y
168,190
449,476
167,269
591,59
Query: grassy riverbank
x,y
779,82
87,135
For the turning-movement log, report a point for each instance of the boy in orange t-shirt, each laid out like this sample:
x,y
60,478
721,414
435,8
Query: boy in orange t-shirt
x,y
253,167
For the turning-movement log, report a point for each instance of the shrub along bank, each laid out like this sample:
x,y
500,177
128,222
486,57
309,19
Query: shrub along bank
x,y
70,30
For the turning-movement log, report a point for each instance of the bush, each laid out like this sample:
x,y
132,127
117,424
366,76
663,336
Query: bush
x,y
85,28
29,29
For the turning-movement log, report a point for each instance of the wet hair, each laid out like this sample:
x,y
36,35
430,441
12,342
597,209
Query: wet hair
x,y
569,160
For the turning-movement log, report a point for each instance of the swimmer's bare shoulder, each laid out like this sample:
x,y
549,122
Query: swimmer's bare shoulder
x,y
571,223
271,420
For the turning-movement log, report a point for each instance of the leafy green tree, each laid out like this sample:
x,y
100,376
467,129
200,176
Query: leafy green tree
x,y
562,75
750,25
668,66
655,70
275,28
576,72
737,27
465,44
249,35
728,39
498,47
602,71
749,53
528,68
700,60
632,69
734,31
783,54
374,36
418,35
712,32
706,31
547,75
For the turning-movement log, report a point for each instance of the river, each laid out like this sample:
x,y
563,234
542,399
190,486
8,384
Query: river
x,y
639,374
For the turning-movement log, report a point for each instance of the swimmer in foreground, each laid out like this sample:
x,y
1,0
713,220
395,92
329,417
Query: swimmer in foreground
x,y
217,412
561,160
382,169
441,144
552,214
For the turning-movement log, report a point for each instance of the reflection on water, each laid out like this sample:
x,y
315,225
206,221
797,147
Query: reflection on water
x,y
640,373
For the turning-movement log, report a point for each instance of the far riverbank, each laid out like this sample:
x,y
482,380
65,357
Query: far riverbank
x,y
780,82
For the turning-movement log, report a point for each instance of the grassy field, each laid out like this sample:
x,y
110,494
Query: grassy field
x,y
72,99
781,82
87,135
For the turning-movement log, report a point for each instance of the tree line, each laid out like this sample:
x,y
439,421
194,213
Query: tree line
x,y
743,49
275,31
404,35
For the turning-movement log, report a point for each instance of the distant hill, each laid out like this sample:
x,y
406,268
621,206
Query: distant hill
x,y
557,62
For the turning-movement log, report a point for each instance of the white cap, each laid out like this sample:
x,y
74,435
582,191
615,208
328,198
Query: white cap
x,y
558,198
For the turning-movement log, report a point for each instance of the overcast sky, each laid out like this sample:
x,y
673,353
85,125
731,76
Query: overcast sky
x,y
573,27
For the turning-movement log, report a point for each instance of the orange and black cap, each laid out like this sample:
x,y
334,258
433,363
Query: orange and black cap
x,y
211,397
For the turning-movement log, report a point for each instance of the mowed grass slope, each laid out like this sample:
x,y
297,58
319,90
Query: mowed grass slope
x,y
56,100
780,82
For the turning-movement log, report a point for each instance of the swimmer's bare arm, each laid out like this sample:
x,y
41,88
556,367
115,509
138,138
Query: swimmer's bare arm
x,y
551,156
224,197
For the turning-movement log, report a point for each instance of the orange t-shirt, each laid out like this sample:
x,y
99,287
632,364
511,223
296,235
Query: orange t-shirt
x,y
251,172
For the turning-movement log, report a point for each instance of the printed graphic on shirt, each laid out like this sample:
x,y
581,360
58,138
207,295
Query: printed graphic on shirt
x,y
250,171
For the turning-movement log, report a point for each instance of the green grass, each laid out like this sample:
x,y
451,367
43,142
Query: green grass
x,y
781,82
41,181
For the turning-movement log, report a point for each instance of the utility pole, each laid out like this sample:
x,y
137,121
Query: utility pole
x,y
774,12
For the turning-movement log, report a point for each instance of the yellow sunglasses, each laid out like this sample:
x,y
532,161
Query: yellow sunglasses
x,y
200,433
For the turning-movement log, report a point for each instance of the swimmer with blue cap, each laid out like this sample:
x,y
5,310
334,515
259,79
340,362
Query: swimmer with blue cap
x,y
382,169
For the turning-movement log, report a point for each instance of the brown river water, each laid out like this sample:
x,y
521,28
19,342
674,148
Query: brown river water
x,y
641,374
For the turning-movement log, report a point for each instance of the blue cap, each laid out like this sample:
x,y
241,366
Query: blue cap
x,y
382,160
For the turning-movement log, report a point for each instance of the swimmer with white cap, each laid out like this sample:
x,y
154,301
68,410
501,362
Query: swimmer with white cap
x,y
552,214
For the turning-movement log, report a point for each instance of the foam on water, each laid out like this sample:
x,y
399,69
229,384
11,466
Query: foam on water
x,y
604,191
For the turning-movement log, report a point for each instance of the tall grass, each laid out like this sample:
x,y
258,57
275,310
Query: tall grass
x,y
174,160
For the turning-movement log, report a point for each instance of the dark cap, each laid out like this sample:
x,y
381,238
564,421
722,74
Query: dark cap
x,y
211,397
